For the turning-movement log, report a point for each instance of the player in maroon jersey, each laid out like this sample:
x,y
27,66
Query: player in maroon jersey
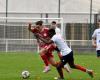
x,y
43,31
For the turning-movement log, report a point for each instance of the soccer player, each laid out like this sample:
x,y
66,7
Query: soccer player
x,y
67,54
58,31
39,28
96,40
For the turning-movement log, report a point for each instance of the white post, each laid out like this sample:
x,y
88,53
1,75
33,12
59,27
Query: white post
x,y
6,45
38,48
62,27
70,43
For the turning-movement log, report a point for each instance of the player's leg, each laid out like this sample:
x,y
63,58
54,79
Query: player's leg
x,y
79,67
98,53
66,67
70,60
45,60
44,53
53,47
59,69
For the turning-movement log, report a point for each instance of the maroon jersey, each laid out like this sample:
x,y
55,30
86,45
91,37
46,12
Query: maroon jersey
x,y
34,30
44,34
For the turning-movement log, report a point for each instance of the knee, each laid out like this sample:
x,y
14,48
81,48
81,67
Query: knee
x,y
42,52
55,65
60,65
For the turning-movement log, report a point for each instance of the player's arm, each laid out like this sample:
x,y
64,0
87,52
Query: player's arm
x,y
94,39
94,42
57,49
29,27
47,41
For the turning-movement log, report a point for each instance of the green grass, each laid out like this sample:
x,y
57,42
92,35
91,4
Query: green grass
x,y
12,64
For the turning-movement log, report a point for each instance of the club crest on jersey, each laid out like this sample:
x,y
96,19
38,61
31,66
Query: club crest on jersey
x,y
45,34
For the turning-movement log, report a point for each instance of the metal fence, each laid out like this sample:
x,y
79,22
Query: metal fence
x,y
14,36
26,45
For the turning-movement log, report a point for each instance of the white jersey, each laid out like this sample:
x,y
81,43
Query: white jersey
x,y
57,30
61,44
96,34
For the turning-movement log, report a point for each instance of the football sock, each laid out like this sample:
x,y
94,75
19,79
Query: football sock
x,y
59,69
80,68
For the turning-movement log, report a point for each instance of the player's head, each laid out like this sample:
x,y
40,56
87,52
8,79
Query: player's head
x,y
39,24
51,32
53,24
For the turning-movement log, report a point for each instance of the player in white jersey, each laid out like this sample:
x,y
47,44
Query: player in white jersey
x,y
67,54
58,31
96,40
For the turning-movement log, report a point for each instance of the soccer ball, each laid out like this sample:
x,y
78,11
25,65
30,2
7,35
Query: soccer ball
x,y
25,74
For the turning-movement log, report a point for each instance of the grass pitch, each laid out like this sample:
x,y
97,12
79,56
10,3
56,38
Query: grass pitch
x,y
12,64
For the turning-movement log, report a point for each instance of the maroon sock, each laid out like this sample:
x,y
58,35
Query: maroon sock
x,y
80,68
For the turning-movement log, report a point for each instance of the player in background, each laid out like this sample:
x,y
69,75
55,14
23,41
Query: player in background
x,y
58,31
55,26
96,40
67,54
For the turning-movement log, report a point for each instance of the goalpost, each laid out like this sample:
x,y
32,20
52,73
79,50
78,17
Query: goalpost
x,y
14,34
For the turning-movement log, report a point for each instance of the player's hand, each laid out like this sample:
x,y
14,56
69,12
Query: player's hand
x,y
29,26
94,45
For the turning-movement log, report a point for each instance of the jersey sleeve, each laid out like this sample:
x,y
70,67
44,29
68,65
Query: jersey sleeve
x,y
54,38
34,30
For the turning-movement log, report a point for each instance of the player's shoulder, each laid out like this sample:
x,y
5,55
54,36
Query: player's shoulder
x,y
45,27
97,30
56,36
34,30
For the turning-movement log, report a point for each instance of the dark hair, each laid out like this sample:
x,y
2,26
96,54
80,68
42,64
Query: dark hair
x,y
39,23
54,22
51,32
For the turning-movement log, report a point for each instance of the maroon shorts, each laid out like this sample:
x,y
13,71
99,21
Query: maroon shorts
x,y
50,48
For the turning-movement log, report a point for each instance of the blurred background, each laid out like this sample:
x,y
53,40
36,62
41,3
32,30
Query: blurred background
x,y
80,19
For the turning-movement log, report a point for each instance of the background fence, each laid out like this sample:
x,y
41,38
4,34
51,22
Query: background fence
x,y
25,45
15,36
